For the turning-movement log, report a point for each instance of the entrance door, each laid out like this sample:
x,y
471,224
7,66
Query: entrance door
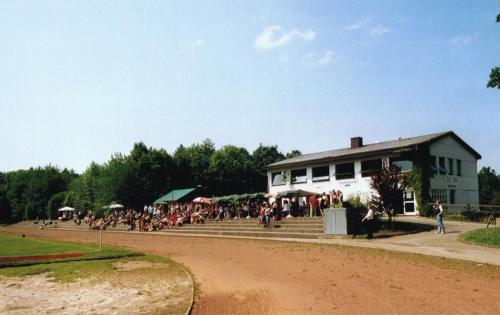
x,y
409,202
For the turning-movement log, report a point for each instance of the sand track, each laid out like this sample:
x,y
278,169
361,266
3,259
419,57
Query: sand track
x,y
263,277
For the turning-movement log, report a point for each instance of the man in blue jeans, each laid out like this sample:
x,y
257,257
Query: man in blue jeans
x,y
439,217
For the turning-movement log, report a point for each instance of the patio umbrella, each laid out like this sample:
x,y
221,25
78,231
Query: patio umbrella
x,y
66,209
203,200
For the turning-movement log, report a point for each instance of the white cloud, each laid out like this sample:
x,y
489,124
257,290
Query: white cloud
x,y
462,39
358,24
197,42
274,36
379,30
314,59
327,58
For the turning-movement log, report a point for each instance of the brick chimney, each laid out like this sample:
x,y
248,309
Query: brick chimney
x,y
356,142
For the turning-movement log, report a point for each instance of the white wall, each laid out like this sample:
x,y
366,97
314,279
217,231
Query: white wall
x,y
465,186
355,186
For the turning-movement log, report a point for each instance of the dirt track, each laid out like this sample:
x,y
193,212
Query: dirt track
x,y
261,277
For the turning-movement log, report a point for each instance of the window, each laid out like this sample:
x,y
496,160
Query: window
x,y
459,167
450,166
278,178
344,171
321,173
371,167
439,194
432,162
299,176
452,196
442,166
403,164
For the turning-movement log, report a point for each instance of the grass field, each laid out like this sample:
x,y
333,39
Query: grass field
x,y
487,236
18,246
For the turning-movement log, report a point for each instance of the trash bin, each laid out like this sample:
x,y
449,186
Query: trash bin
x,y
335,222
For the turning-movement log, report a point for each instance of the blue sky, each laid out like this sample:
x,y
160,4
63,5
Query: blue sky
x,y
80,80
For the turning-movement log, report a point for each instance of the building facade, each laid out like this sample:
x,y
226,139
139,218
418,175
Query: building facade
x,y
451,164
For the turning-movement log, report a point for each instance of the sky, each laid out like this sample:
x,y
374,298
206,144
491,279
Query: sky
x,y
81,80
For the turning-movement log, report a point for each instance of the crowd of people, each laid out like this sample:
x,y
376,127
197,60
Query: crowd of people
x,y
175,214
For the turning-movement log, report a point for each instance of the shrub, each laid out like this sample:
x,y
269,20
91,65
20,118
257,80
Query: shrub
x,y
428,211
471,213
355,210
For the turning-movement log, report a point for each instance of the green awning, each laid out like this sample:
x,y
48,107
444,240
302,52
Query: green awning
x,y
257,195
175,195
295,193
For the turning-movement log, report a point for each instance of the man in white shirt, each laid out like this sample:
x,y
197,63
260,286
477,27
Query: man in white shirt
x,y
368,219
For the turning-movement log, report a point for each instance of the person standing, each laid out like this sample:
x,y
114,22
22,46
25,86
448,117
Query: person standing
x,y
368,220
313,205
439,217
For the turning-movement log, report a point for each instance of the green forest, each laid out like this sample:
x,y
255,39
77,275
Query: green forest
x,y
135,179
146,173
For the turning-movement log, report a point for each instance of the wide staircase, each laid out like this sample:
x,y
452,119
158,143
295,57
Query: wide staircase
x,y
310,228
305,228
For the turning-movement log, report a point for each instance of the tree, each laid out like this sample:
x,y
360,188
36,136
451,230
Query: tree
x,y
292,154
263,156
495,72
390,184
5,215
489,185
232,170
192,164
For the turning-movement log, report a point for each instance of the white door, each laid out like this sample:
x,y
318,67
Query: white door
x,y
409,202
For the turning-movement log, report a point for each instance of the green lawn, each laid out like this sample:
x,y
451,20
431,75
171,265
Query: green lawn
x,y
487,236
18,246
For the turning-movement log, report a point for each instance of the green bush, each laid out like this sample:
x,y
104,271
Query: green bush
x,y
471,213
355,210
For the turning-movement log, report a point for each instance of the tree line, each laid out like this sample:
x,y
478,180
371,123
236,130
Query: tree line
x,y
146,173
136,179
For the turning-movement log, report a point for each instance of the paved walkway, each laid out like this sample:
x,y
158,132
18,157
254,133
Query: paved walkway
x,y
430,243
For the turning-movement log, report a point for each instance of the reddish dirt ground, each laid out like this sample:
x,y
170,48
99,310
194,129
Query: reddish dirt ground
x,y
263,277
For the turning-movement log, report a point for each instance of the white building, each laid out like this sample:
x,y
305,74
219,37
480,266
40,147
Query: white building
x,y
451,164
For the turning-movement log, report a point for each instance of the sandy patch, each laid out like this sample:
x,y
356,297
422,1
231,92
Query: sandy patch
x,y
122,292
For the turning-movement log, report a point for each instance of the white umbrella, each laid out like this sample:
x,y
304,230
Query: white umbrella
x,y
116,206
66,209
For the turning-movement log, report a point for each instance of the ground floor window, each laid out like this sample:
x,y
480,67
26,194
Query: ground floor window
x,y
439,194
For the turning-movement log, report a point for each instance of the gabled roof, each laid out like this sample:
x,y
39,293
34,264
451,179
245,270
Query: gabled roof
x,y
371,149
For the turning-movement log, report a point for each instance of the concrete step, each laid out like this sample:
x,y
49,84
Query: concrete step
x,y
247,229
263,233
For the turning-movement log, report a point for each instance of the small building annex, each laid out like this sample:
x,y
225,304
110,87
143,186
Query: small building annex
x,y
446,164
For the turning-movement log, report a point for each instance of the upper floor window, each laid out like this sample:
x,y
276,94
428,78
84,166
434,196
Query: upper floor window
x,y
459,167
432,162
450,166
320,173
371,167
278,178
298,176
403,164
344,171
442,166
